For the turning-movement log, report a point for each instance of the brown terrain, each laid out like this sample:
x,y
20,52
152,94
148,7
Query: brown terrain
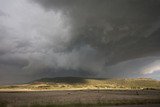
x,y
81,92
108,97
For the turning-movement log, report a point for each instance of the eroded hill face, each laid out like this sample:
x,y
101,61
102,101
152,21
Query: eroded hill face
x,y
74,83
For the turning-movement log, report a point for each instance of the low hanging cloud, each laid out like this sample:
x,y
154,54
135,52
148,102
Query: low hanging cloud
x,y
112,27
153,67
48,38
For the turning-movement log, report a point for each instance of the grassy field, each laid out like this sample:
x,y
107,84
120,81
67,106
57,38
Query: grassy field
x,y
80,92
78,98
77,83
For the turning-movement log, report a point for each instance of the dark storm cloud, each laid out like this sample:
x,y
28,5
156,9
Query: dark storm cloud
x,y
2,13
12,61
96,38
120,30
113,27
52,72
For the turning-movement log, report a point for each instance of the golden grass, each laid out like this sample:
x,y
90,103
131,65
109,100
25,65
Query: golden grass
x,y
140,83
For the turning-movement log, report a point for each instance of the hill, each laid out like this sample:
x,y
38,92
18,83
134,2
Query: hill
x,y
65,83
67,80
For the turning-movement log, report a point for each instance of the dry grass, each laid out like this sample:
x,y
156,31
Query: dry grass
x,y
80,92
84,83
83,98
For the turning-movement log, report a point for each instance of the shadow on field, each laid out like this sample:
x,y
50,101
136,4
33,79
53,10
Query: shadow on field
x,y
66,80
3,103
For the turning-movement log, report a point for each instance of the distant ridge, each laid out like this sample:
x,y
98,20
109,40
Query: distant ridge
x,y
63,83
69,80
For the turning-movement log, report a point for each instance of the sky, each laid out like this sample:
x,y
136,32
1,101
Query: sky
x,y
83,38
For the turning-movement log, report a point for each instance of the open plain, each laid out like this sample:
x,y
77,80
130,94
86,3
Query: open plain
x,y
82,98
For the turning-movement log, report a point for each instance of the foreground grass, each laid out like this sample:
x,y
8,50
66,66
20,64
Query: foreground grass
x,y
3,103
83,84
97,104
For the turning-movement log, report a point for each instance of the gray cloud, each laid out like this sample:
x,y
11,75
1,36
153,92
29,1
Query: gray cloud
x,y
133,68
105,38
112,26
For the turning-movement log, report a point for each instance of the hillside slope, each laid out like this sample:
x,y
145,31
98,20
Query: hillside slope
x,y
61,83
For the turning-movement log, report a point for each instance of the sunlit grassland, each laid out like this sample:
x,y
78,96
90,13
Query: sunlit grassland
x,y
76,84
81,92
